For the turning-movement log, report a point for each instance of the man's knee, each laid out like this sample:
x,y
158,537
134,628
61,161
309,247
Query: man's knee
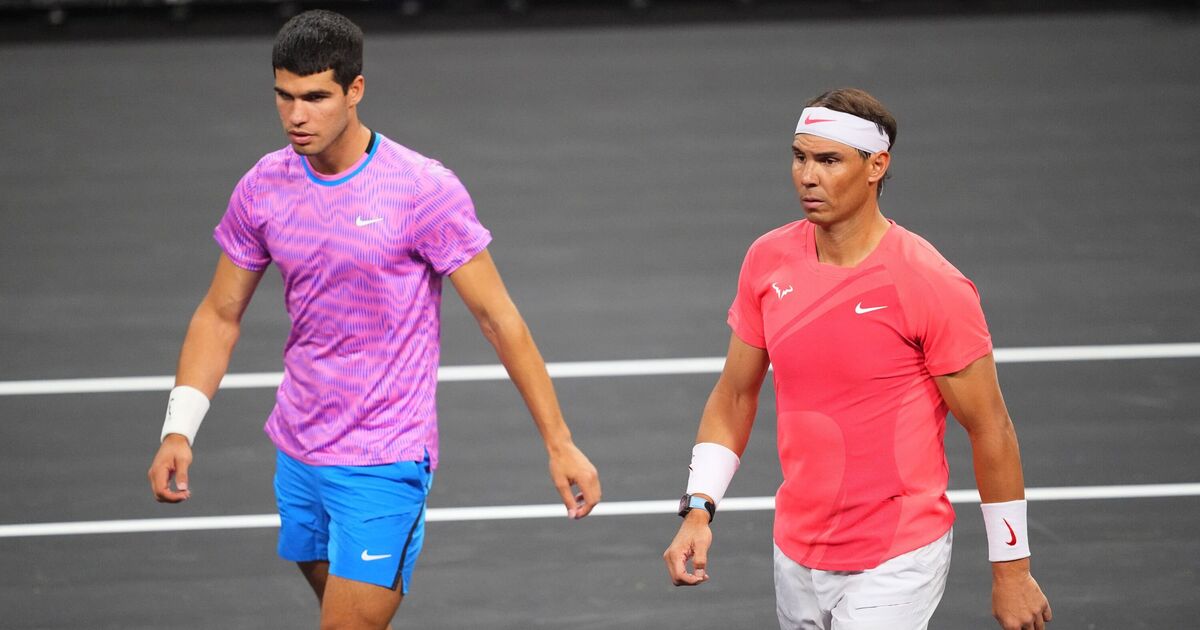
x,y
353,605
342,618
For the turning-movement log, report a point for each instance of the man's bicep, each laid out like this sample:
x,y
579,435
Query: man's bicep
x,y
973,393
479,285
231,289
745,367
729,413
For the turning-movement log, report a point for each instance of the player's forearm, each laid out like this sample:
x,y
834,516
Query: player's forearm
x,y
997,460
206,350
728,418
515,348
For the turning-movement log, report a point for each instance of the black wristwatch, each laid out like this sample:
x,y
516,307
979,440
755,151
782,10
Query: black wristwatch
x,y
690,502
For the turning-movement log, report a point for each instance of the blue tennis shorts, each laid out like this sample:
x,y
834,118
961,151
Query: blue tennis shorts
x,y
368,522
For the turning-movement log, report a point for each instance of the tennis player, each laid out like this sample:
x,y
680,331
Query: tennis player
x,y
873,337
363,231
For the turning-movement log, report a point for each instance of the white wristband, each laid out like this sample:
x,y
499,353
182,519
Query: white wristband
x,y
1007,531
712,469
185,411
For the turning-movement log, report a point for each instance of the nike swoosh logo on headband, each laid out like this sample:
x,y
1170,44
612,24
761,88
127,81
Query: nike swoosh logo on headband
x,y
812,121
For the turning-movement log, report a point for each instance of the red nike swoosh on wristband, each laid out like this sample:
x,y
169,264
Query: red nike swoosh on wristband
x,y
1013,542
811,121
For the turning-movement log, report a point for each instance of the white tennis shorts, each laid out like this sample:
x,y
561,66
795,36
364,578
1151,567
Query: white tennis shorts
x,y
900,594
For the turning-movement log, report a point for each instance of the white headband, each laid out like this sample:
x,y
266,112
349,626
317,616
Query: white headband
x,y
842,127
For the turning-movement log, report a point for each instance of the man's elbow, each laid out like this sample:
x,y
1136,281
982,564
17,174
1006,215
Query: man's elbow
x,y
221,322
990,427
736,396
504,325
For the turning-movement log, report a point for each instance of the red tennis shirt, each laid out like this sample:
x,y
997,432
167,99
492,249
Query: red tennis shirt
x,y
860,419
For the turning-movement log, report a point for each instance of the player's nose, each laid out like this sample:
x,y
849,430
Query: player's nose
x,y
297,115
807,173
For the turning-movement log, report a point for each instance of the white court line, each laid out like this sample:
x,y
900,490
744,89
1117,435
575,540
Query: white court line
x,y
581,369
555,510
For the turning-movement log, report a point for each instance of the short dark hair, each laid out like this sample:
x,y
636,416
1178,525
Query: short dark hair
x,y
320,40
858,103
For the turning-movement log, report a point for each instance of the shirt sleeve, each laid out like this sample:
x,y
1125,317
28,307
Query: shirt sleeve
x,y
446,232
239,234
745,314
950,325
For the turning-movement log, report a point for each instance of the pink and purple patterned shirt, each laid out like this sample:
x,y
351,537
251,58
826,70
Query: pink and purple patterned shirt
x,y
362,255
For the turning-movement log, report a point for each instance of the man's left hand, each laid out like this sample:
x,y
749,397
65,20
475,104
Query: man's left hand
x,y
1017,601
576,480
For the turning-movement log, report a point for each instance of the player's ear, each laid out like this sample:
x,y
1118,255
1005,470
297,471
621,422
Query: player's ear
x,y
877,166
354,92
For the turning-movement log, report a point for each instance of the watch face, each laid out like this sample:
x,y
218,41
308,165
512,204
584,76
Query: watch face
x,y
684,508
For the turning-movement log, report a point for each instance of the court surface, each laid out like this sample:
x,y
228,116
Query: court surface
x,y
623,172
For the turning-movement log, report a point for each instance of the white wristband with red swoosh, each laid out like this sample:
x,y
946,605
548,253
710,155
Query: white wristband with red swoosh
x,y
1007,531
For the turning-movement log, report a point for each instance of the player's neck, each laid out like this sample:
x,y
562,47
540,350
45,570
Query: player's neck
x,y
848,243
344,152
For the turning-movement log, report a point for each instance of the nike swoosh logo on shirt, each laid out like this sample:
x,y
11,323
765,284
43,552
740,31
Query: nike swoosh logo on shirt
x,y
858,308
368,557
361,222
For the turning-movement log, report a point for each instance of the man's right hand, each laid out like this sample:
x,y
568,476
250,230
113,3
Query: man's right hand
x,y
171,462
691,543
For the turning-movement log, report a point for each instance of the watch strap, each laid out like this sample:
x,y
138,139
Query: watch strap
x,y
691,502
